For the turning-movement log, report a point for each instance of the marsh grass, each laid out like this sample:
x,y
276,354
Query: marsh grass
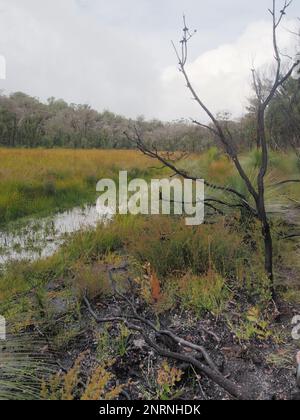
x,y
199,270
196,269
38,181
217,168
171,247
23,366
207,293
216,259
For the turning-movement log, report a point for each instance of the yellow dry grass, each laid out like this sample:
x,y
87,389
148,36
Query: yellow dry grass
x,y
32,164
35,181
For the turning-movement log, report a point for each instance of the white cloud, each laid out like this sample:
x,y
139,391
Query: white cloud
x,y
2,68
117,54
222,76
56,49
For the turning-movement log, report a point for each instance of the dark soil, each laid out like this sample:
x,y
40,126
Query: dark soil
x,y
244,362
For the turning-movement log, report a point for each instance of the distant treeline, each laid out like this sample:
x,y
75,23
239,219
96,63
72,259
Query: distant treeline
x,y
27,122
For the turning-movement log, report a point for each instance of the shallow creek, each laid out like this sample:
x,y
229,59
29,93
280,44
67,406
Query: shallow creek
x,y
41,237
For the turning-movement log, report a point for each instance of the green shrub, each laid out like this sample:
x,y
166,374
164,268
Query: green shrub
x,y
204,293
213,154
170,247
91,180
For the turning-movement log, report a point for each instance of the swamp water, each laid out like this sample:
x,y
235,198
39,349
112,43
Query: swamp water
x,y
41,237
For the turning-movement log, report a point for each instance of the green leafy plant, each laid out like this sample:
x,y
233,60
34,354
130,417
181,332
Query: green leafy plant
x,y
253,326
167,379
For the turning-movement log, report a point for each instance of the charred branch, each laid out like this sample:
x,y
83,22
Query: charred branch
x,y
136,322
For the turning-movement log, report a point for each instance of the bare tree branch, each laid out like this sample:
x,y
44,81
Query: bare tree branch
x,y
155,155
257,192
287,181
211,371
225,140
262,139
205,126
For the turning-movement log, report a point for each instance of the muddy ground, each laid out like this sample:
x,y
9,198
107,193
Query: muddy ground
x,y
264,368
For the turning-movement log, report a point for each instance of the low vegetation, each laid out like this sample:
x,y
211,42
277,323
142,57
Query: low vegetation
x,y
212,274
37,182
145,306
40,182
213,271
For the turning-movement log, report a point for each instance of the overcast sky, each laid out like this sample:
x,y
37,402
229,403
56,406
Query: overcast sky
x,y
116,54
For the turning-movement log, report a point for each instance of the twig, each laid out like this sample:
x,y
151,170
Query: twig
x,y
291,236
210,371
287,181
199,383
211,333
155,155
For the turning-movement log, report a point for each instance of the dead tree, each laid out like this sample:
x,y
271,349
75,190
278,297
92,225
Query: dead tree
x,y
196,356
223,136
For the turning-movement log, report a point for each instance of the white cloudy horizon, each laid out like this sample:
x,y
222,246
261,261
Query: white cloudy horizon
x,y
117,55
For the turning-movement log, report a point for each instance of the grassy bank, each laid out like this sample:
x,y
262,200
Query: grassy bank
x,y
183,258
35,182
210,274
206,283
40,182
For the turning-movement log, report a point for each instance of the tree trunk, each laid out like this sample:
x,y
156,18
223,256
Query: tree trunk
x,y
268,243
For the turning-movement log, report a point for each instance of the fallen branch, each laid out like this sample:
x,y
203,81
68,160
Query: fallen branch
x,y
155,155
287,181
211,371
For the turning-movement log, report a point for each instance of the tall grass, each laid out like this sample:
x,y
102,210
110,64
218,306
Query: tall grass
x,y
23,366
42,181
217,168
